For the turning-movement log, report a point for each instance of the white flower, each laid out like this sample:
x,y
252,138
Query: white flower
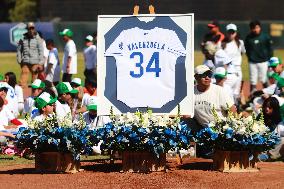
x,y
225,127
242,130
49,140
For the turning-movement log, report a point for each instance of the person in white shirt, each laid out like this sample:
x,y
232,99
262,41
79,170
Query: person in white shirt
x,y
272,119
9,124
217,57
93,121
9,96
53,64
220,76
64,91
209,96
69,66
37,87
11,79
4,120
90,58
234,47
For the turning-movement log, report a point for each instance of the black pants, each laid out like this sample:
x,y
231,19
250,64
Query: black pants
x,y
90,75
66,77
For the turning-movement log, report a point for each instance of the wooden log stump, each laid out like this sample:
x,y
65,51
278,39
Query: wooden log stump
x,y
56,162
234,161
143,162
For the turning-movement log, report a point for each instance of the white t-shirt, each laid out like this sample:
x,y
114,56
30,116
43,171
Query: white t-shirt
x,y
19,94
221,58
29,106
45,52
62,110
54,75
271,89
235,52
215,97
5,117
280,129
99,121
145,61
12,100
90,54
70,51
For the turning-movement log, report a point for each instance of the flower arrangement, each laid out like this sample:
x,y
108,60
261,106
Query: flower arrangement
x,y
237,133
54,135
144,132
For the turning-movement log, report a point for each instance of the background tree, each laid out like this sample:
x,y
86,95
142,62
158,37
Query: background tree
x,y
6,5
24,10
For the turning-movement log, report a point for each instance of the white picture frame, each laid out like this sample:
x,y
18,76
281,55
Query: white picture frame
x,y
107,24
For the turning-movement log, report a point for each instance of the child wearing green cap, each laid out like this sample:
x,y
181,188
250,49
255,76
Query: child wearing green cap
x,y
37,88
45,104
64,91
90,116
275,64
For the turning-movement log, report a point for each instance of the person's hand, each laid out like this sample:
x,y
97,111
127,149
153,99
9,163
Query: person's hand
x,y
186,116
10,127
11,135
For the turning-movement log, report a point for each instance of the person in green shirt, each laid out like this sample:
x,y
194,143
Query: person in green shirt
x,y
259,50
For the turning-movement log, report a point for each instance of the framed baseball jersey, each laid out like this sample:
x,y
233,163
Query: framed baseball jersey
x,y
145,61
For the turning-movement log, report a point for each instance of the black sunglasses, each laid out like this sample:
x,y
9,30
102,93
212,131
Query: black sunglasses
x,y
206,74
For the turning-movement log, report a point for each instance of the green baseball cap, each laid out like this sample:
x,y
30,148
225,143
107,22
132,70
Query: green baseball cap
x,y
274,61
66,32
92,103
220,73
44,99
1,77
65,87
37,84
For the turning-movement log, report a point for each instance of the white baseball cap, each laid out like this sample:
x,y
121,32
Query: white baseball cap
x,y
220,72
92,103
231,27
77,81
89,38
201,69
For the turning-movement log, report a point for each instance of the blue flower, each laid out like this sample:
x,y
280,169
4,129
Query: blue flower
x,y
229,132
183,139
172,143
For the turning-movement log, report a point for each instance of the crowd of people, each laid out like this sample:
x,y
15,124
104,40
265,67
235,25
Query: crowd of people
x,y
65,97
218,80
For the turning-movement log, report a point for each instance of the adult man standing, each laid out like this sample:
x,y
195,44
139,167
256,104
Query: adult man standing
x,y
209,96
214,34
30,55
69,66
259,51
90,57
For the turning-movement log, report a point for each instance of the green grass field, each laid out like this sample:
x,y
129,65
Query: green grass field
x,y
8,63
